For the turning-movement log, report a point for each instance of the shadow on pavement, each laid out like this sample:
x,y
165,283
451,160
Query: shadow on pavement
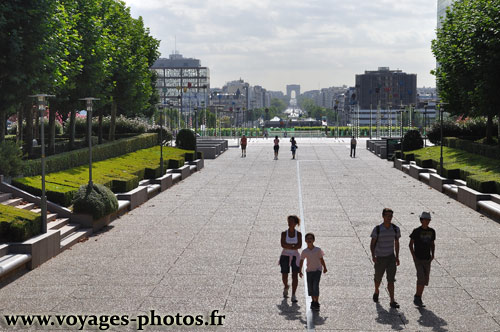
x,y
429,319
317,319
291,312
391,317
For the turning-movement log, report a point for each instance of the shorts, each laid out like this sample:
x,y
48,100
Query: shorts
x,y
285,264
313,278
385,264
276,148
243,146
423,267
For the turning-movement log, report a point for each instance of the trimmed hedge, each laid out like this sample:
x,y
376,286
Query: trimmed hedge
x,y
120,174
10,158
18,225
80,157
97,200
489,151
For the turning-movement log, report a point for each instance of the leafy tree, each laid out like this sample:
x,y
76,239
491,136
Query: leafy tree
x,y
467,49
278,104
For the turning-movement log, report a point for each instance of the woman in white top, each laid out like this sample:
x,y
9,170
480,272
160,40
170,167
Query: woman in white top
x,y
291,242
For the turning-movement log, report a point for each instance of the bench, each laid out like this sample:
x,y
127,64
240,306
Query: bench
x,y
490,208
10,262
416,170
136,196
470,197
398,163
209,152
199,163
451,189
436,181
165,181
184,171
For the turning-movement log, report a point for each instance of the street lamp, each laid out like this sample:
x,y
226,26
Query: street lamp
x,y
41,98
425,124
441,111
89,101
161,109
401,110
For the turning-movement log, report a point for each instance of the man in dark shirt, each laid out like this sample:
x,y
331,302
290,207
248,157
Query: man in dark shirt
x,y
422,249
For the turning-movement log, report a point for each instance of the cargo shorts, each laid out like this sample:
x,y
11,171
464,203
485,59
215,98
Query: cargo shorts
x,y
386,265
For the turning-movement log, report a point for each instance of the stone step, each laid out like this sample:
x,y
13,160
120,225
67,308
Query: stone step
x,y
51,216
27,206
58,223
13,201
11,262
5,196
75,237
68,229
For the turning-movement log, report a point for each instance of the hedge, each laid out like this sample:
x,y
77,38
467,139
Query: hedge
x,y
120,174
80,157
17,225
489,151
480,173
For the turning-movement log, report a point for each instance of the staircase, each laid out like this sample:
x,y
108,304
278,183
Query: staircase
x,y
70,234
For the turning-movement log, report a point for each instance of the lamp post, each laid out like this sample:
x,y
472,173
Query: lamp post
x,y
425,125
161,110
389,104
401,110
41,98
441,110
89,101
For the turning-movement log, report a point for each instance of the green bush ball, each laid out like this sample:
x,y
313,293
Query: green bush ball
x,y
186,139
97,200
412,140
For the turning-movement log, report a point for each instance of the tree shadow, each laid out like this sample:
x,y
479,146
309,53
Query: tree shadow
x,y
291,312
392,318
429,319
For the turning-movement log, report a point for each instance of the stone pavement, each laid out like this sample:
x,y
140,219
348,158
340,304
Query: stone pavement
x,y
212,242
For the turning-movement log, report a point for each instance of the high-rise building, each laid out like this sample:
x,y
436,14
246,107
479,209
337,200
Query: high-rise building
x,y
182,81
387,87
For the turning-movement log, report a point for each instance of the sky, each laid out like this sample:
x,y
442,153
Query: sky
x,y
314,43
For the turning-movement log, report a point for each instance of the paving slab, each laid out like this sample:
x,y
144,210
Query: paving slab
x,y
211,242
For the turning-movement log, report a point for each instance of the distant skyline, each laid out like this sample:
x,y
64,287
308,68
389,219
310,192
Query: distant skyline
x,y
317,44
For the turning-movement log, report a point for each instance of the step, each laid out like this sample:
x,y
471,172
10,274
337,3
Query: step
x,y
13,201
68,229
5,196
144,182
192,168
75,237
12,261
27,206
51,216
58,223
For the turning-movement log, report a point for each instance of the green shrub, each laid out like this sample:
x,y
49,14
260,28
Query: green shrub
x,y
10,158
482,183
18,225
81,157
96,200
450,129
412,140
186,139
59,128
489,151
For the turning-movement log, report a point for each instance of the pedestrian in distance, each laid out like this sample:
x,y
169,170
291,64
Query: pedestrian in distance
x,y
353,147
384,248
276,147
315,261
291,242
293,147
422,250
243,143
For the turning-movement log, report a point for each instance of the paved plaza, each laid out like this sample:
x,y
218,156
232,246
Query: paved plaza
x,y
212,242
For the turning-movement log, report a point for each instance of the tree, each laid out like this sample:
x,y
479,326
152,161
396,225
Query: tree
x,y
278,104
467,49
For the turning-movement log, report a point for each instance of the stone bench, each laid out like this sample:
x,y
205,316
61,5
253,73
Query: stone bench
x,y
176,178
136,196
451,189
10,262
224,143
424,177
490,208
40,248
218,147
165,181
199,163
416,170
209,152
184,171
398,163
470,197
436,181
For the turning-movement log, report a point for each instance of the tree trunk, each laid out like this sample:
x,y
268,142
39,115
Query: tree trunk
x,y
28,142
3,122
20,123
112,122
489,129
52,132
72,124
99,126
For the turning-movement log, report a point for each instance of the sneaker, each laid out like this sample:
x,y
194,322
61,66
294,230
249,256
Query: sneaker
x,y
375,297
394,305
294,298
417,300
285,292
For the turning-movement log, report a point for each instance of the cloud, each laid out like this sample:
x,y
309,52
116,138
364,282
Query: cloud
x,y
326,41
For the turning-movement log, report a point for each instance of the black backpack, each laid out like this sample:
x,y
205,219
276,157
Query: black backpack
x,y
395,232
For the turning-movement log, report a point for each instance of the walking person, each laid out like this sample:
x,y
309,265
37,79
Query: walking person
x,y
353,147
243,143
276,147
315,261
293,147
384,247
422,250
291,242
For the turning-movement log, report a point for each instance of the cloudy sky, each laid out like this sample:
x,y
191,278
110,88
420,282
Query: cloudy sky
x,y
314,43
